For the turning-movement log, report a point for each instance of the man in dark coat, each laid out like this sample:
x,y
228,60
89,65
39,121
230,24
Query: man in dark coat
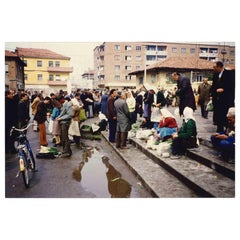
x,y
204,96
185,92
223,94
10,121
123,120
111,115
23,111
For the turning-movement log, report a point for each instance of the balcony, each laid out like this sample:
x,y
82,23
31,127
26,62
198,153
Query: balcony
x,y
57,83
161,53
60,69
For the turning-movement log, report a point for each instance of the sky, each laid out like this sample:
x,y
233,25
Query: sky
x,y
81,53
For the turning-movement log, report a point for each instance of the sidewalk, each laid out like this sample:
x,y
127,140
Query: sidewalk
x,y
197,174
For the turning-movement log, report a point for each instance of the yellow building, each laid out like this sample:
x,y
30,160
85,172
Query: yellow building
x,y
45,70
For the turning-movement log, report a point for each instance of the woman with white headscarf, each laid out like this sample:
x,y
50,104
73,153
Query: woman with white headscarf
x,y
167,125
187,135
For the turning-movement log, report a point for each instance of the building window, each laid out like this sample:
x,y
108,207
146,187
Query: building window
x,y
39,76
138,67
57,64
232,52
183,50
25,77
128,58
151,48
117,47
153,78
117,77
51,77
128,47
192,50
138,58
174,50
140,80
138,48
128,78
39,63
50,63
117,67
117,57
101,77
151,57
101,68
161,48
128,68
58,78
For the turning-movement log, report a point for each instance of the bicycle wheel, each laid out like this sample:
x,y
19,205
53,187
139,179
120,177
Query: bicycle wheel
x,y
25,174
32,160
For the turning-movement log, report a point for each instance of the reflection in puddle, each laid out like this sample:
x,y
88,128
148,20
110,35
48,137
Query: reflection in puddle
x,y
117,186
92,174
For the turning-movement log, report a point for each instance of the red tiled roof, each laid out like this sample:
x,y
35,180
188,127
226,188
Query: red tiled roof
x,y
191,63
39,53
180,63
10,54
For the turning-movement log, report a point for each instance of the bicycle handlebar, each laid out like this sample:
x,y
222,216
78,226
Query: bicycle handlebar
x,y
20,130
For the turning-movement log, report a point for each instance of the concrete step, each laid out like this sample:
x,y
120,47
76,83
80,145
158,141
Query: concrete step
x,y
158,181
204,181
207,156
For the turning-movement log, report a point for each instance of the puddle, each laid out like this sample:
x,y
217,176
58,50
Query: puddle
x,y
96,174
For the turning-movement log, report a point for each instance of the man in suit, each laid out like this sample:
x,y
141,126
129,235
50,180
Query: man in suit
x,y
223,94
185,92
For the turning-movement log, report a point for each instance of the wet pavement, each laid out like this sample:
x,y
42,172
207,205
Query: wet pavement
x,y
95,171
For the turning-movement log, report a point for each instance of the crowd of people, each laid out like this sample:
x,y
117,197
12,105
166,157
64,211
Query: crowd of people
x,y
124,107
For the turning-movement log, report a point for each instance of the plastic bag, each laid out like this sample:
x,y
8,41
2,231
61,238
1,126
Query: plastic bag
x,y
82,115
209,106
155,116
50,126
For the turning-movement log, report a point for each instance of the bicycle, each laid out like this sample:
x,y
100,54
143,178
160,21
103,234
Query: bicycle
x,y
25,155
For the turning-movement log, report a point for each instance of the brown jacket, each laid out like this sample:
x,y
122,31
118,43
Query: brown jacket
x,y
34,105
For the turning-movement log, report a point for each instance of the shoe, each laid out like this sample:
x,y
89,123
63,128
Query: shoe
x,y
45,145
175,156
66,155
125,147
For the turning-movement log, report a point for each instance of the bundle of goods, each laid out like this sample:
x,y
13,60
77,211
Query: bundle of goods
x,y
47,152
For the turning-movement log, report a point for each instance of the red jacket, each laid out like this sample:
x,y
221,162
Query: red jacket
x,y
168,122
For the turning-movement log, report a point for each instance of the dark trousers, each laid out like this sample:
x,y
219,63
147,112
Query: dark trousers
x,y
121,139
180,145
112,130
64,137
204,112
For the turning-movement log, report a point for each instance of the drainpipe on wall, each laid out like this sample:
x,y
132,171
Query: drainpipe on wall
x,y
191,76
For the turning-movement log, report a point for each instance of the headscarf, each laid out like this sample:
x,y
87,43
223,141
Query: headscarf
x,y
188,114
165,113
231,112
75,102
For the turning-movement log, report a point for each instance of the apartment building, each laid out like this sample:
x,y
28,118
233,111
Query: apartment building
x,y
14,71
113,61
45,70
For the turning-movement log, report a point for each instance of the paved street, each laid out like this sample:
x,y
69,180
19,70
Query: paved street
x,y
63,177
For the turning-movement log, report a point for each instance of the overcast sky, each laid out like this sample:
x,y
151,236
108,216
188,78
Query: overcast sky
x,y
81,53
